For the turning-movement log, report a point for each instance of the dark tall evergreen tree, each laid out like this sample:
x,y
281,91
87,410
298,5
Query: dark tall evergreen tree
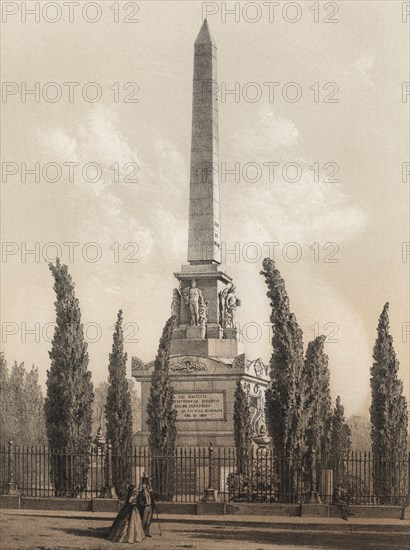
x,y
162,418
242,428
388,415
118,412
317,401
68,404
340,443
283,398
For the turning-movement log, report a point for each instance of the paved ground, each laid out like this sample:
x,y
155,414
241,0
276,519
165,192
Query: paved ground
x,y
53,530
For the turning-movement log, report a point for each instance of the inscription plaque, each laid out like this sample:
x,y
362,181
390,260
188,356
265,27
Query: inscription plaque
x,y
200,405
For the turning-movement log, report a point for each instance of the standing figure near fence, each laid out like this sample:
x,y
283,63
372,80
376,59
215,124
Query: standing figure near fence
x,y
146,505
127,526
339,499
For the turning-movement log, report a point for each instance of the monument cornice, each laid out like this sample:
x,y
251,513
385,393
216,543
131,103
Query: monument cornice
x,y
204,363
196,274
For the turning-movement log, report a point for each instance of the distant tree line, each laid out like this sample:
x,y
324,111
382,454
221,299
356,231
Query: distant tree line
x,y
21,405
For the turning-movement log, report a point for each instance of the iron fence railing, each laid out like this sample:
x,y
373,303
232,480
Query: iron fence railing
x,y
184,476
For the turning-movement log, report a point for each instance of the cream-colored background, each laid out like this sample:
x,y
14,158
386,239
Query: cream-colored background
x,y
366,213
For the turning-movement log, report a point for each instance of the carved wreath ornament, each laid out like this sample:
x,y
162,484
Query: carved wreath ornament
x,y
188,367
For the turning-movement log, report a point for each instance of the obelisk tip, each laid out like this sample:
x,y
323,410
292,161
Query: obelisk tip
x,y
204,35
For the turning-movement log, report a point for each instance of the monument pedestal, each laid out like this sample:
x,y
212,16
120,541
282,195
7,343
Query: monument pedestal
x,y
204,392
231,333
207,347
214,331
195,332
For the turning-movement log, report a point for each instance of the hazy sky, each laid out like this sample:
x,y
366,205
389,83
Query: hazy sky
x,y
358,216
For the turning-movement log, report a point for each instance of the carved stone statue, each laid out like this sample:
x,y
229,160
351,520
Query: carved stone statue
x,y
203,313
221,308
176,305
227,306
193,300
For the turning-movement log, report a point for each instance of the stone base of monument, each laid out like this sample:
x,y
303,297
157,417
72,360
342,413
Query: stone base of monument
x,y
231,333
179,333
214,331
195,332
204,376
207,347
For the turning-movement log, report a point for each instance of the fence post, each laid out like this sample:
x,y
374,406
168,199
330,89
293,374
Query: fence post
x,y
211,494
262,440
11,486
109,489
314,497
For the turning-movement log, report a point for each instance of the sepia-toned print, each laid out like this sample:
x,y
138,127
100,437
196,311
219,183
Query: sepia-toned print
x,y
205,262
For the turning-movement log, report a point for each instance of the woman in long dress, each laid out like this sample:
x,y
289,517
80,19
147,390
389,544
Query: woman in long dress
x,y
127,526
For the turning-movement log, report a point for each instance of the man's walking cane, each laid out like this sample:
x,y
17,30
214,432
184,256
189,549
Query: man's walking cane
x,y
159,524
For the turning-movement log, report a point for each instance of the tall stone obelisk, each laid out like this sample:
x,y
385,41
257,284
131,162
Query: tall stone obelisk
x,y
204,241
208,327
206,357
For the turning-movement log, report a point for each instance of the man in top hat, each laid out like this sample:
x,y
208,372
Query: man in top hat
x,y
146,505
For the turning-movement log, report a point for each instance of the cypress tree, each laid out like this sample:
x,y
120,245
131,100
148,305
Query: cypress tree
x,y
68,405
283,399
242,428
118,412
162,418
388,415
340,443
317,401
